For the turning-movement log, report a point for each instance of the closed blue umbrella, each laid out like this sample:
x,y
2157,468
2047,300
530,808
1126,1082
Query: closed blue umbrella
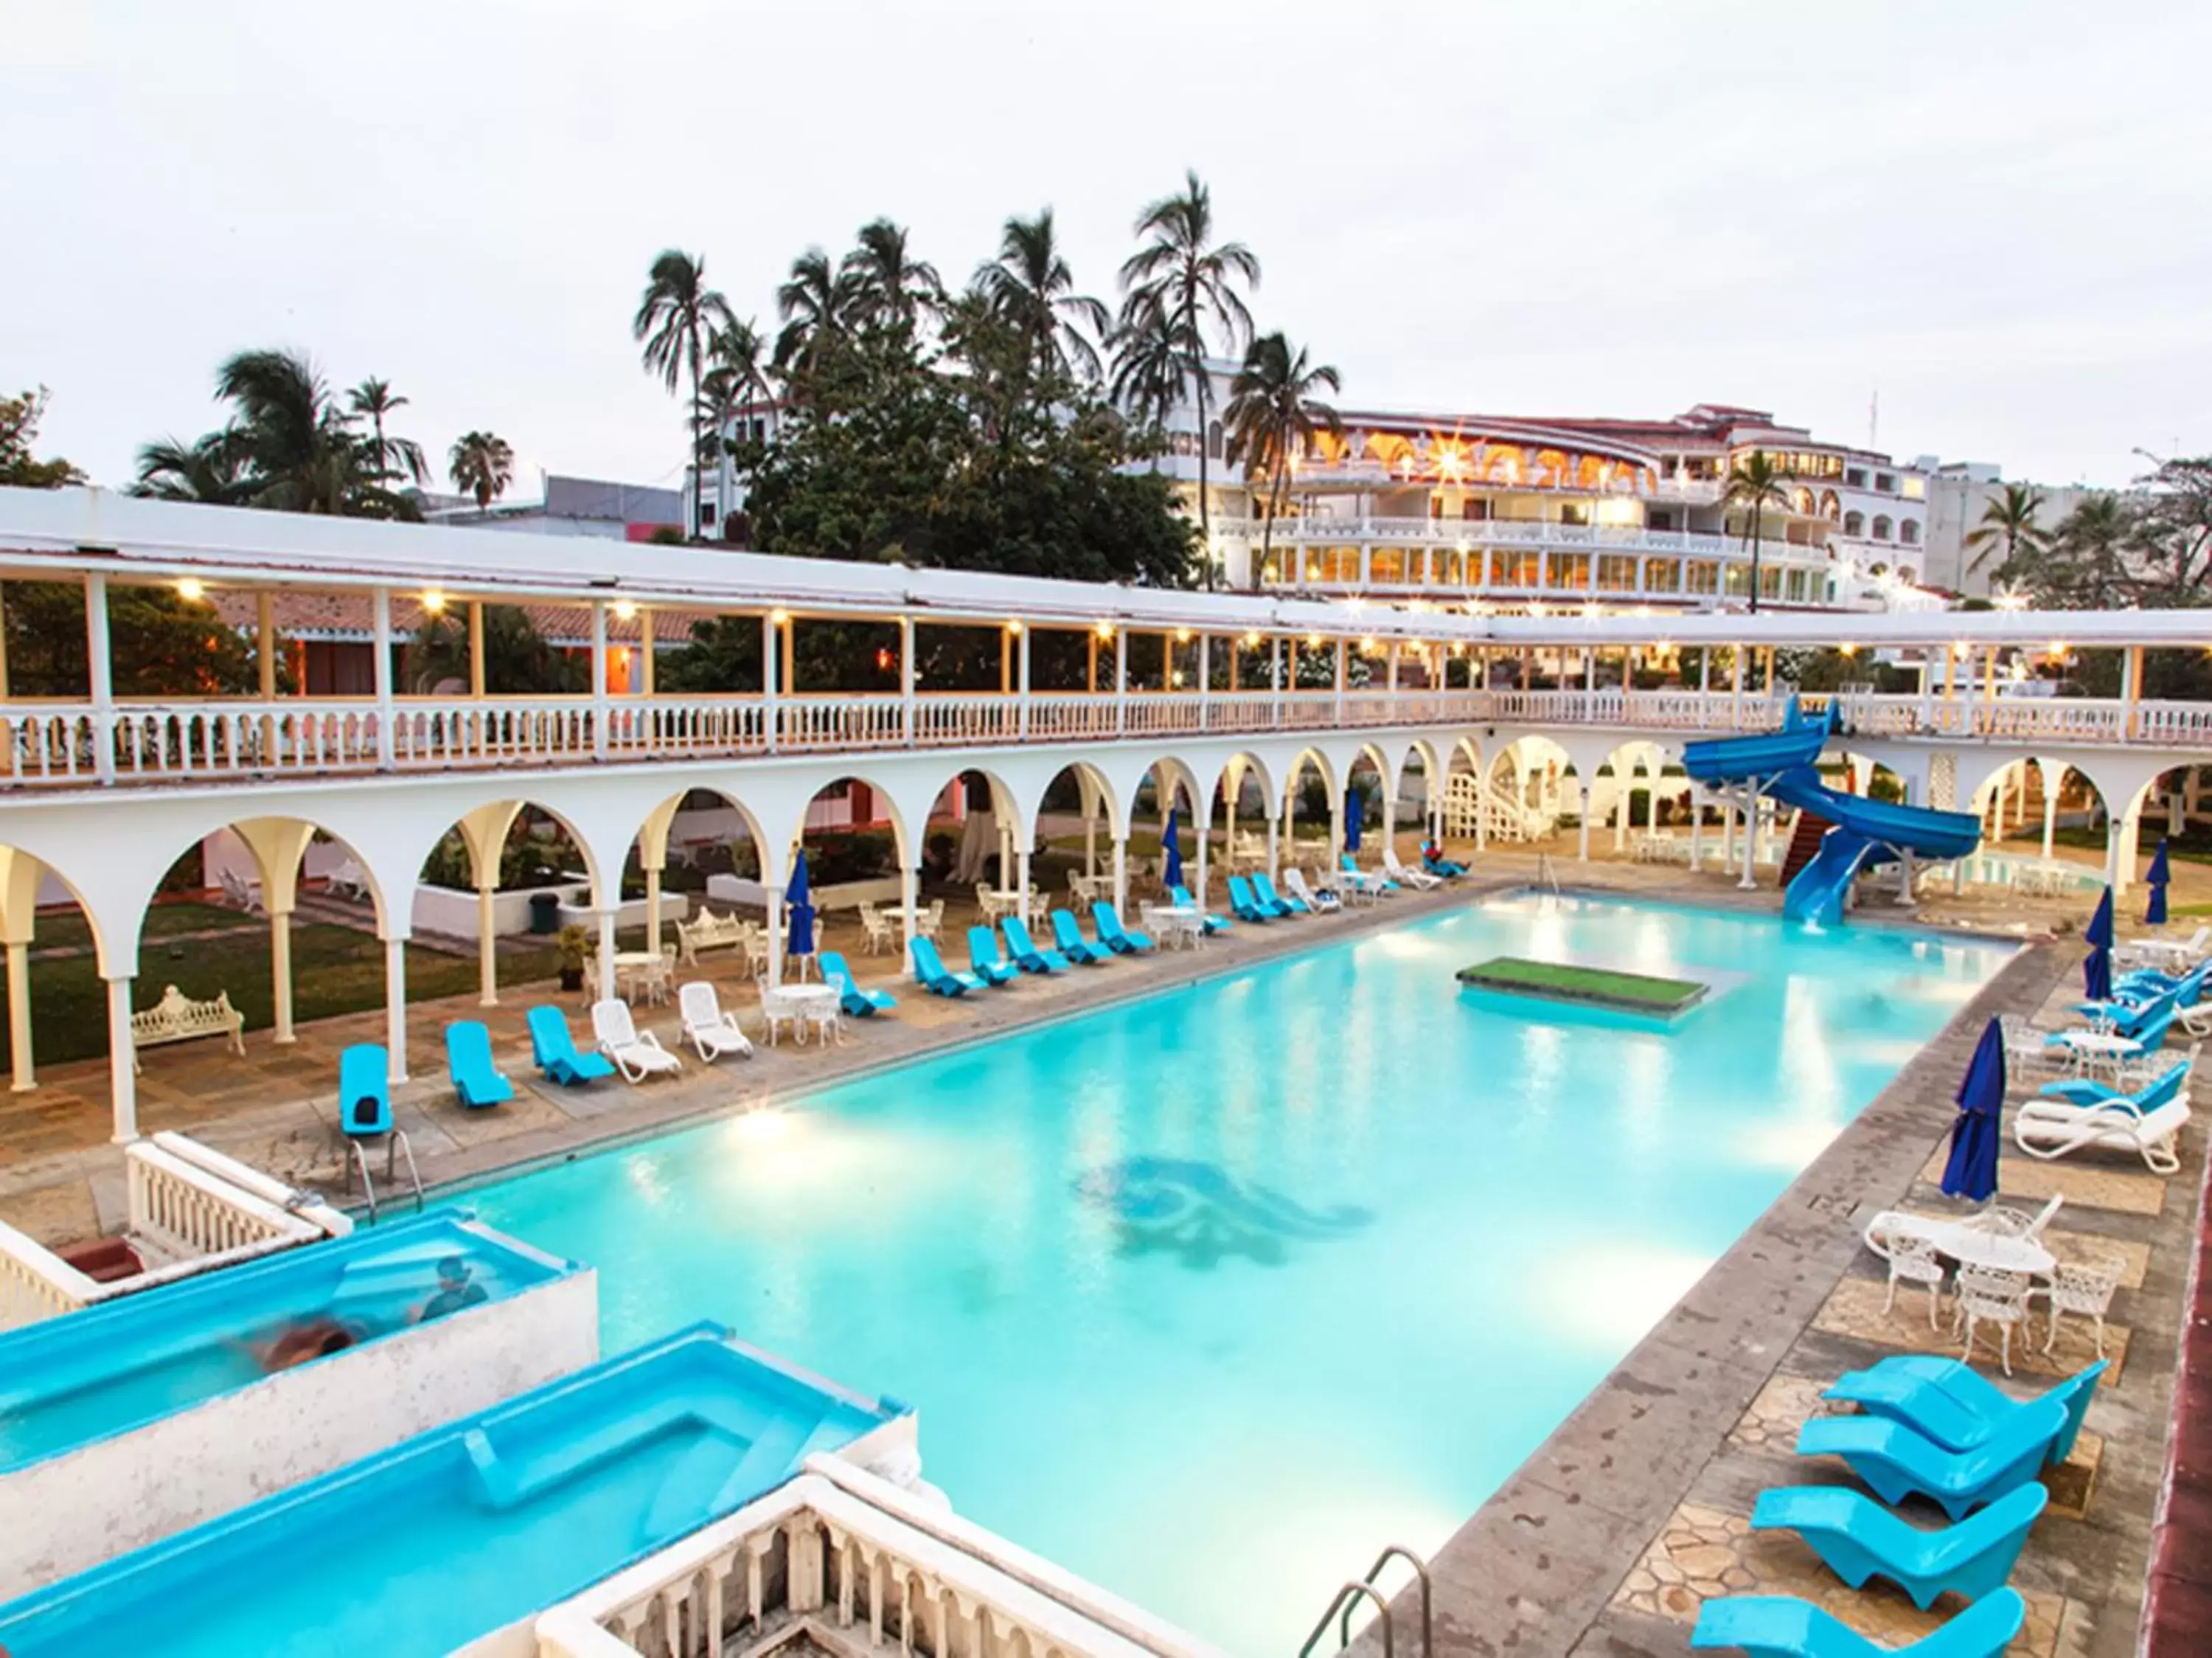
x,y
1171,844
1351,814
2097,971
1971,1170
2154,916
801,918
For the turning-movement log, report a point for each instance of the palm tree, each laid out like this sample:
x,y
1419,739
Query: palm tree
x,y
1754,485
481,465
816,306
1032,286
889,288
676,317
2085,560
1182,282
208,472
296,447
1149,367
2009,520
373,400
1273,412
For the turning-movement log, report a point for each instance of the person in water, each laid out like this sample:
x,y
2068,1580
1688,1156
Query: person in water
x,y
310,1339
1434,861
455,1291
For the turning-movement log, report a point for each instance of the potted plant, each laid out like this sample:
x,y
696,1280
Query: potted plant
x,y
575,947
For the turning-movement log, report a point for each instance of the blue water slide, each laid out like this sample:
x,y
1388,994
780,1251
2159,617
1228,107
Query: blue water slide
x,y
1865,832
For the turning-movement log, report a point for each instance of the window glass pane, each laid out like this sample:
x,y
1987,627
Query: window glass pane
x,y
1663,575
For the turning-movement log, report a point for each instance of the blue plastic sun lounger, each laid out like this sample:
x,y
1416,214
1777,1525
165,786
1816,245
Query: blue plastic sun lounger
x,y
857,1003
984,958
1897,1462
1264,890
555,1050
1072,942
365,1090
1120,940
1775,1626
1026,954
1241,899
2090,1094
1950,1403
1859,1539
476,1079
938,979
1211,922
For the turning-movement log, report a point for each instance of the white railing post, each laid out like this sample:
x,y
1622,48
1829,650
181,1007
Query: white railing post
x,y
1121,682
1205,681
906,681
101,665
599,710
1275,678
771,645
1023,690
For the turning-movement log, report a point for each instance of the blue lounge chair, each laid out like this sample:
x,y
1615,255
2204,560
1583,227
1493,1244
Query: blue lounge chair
x,y
984,958
1072,942
2136,1021
2091,1095
856,1002
1264,890
365,1091
1897,1462
555,1050
1212,923
1120,940
2145,985
469,1063
1241,899
938,979
1026,954
1776,1627
1859,1539
1950,1403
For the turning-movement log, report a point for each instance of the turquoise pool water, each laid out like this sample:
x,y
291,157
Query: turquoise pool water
x,y
462,1531
67,1381
1210,1295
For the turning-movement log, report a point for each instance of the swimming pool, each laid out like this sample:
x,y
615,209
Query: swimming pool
x,y
1208,1295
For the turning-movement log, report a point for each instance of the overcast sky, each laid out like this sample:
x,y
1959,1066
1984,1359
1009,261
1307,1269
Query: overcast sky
x,y
1994,215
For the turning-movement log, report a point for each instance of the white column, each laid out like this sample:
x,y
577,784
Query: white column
x,y
599,678
280,973
1122,680
607,951
1735,689
487,949
101,663
19,1016
1343,675
1203,816
1750,840
1621,778
771,646
1022,883
906,680
1335,832
1697,828
910,907
652,909
1274,850
2049,809
395,1008
1582,819
1022,665
387,737
1121,873
122,1061
775,937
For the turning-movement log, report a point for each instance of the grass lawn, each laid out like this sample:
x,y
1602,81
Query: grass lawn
x,y
335,970
1569,983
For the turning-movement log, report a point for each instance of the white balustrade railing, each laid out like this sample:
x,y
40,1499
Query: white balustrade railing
x,y
36,1284
1472,534
858,1565
201,741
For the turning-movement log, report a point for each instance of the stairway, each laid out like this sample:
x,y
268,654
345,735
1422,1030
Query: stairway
x,y
1804,843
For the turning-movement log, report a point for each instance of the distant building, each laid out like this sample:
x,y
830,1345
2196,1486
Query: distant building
x,y
569,506
1959,493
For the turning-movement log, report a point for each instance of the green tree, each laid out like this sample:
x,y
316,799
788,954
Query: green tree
x,y
2010,520
675,317
1753,485
2174,533
392,458
817,304
211,471
19,431
2083,564
1274,412
1031,285
889,288
159,644
1179,285
481,464
517,658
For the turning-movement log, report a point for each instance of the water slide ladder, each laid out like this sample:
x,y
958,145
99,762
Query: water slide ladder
x,y
395,1147
1355,1590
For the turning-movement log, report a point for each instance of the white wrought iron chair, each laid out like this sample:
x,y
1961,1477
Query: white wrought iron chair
x,y
1985,1295
774,1011
875,930
2083,1289
1911,1258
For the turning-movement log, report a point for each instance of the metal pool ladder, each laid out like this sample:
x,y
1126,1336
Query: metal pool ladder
x,y
395,1146
1354,1591
1546,876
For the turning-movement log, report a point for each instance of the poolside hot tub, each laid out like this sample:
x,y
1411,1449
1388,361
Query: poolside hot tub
x,y
456,1539
122,1424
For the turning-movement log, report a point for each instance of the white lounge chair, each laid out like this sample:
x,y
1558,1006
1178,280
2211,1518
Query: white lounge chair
x,y
711,1030
2173,954
876,929
1418,878
637,1054
1321,899
2049,1129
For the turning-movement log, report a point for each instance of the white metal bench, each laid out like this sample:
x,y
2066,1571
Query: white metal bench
x,y
177,1018
710,932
